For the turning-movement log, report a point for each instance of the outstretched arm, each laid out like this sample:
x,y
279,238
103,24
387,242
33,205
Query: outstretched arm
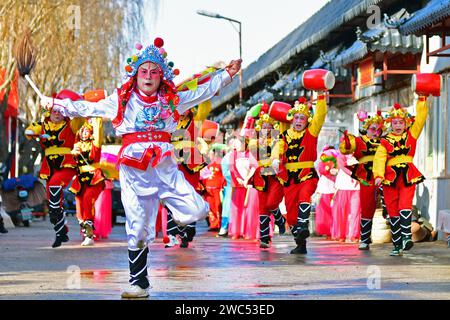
x,y
106,108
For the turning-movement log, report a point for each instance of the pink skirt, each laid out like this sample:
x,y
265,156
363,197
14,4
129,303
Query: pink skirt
x,y
346,212
324,217
244,220
103,212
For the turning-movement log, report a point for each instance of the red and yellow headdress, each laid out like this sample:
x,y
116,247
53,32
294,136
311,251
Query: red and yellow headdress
x,y
398,112
367,121
301,107
265,118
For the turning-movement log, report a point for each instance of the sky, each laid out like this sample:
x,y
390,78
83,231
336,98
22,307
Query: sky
x,y
193,41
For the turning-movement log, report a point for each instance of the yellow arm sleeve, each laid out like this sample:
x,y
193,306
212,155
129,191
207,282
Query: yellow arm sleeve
x,y
35,127
421,117
352,149
379,162
203,110
277,149
319,116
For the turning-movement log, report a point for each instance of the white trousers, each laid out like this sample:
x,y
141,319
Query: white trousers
x,y
142,191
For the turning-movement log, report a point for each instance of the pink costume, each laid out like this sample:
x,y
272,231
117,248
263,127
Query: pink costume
x,y
244,218
103,212
346,207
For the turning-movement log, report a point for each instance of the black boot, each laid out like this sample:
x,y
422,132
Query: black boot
x,y
2,226
138,267
396,236
405,224
366,230
303,220
301,247
264,231
279,220
57,216
187,234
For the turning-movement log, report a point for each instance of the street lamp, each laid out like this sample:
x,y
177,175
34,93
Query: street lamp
x,y
218,16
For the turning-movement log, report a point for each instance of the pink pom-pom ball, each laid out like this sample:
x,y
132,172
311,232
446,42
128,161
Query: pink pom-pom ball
x,y
138,46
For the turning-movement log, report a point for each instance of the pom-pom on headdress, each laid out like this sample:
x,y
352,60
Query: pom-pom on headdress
x,y
154,53
302,107
398,112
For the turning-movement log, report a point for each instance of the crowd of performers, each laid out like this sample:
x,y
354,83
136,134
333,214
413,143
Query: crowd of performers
x,y
172,174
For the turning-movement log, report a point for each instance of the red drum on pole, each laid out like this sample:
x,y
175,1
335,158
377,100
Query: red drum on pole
x,y
425,84
279,110
318,79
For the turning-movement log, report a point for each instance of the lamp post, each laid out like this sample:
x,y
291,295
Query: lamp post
x,y
218,16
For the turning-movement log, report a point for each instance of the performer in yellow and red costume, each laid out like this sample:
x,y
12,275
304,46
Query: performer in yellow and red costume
x,y
190,149
270,191
363,149
56,135
297,151
89,182
393,167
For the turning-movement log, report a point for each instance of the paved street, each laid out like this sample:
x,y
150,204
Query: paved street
x,y
218,268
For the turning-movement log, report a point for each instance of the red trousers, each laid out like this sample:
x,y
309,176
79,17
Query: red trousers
x,y
295,194
368,199
212,196
61,177
398,197
269,200
85,201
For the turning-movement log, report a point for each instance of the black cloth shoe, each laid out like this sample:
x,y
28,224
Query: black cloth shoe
x,y
301,247
2,226
60,238
184,243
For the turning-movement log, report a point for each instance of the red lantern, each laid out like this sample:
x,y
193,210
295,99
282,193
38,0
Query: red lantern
x,y
425,84
318,80
279,110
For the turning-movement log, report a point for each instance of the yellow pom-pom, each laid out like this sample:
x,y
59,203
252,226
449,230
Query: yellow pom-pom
x,y
134,58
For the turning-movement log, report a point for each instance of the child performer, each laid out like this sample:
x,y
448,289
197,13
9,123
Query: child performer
x,y
89,182
270,191
363,149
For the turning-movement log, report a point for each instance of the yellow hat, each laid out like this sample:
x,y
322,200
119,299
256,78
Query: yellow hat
x,y
301,107
265,118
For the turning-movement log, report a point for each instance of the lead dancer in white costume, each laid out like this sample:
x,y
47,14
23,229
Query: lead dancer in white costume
x,y
144,111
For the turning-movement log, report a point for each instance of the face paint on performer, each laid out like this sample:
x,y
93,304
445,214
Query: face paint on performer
x,y
56,116
85,134
148,78
300,122
398,126
373,131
